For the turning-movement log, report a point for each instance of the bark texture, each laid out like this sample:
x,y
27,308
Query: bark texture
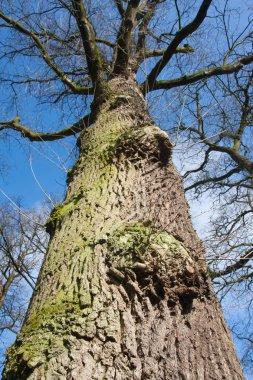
x,y
123,292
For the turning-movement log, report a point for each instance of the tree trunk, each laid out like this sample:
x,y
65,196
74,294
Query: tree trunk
x,y
124,291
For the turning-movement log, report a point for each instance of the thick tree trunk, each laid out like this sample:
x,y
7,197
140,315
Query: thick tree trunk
x,y
123,292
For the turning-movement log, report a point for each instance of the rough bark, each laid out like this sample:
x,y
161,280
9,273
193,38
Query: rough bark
x,y
124,291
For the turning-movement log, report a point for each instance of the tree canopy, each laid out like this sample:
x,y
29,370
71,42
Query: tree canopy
x,y
75,47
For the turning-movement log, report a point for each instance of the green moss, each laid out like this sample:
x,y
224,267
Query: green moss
x,y
33,352
70,171
43,329
166,241
56,214
130,243
51,311
59,211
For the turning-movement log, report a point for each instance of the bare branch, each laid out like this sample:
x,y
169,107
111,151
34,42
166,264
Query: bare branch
x,y
125,37
213,179
160,52
179,37
200,75
93,57
45,55
120,7
39,136
4,288
239,264
143,31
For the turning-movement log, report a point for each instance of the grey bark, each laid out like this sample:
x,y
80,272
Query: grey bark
x,y
124,291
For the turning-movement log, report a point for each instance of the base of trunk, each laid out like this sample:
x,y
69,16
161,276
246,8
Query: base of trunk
x,y
132,338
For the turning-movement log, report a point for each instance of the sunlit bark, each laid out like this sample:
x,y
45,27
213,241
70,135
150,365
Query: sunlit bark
x,y
124,291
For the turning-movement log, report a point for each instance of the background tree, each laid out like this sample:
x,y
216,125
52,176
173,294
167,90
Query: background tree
x,y
226,170
22,245
124,263
222,141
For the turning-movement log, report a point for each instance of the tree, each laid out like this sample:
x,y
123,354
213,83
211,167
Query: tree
x,y
124,290
22,246
226,169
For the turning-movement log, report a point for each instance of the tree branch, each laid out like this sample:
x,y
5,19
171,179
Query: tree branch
x,y
186,49
94,60
105,42
39,136
204,74
242,261
45,55
120,8
214,179
246,115
179,37
202,165
5,287
143,30
178,15
125,37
